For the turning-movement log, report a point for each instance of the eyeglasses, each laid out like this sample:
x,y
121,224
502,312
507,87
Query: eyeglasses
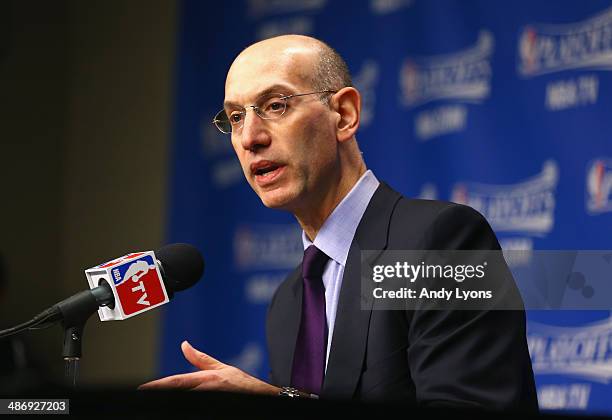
x,y
267,107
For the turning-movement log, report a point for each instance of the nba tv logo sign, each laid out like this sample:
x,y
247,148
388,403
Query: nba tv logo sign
x,y
136,282
599,186
138,285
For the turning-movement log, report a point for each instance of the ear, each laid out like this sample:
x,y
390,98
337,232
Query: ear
x,y
347,103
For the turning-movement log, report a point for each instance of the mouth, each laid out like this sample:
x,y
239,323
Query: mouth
x,y
266,171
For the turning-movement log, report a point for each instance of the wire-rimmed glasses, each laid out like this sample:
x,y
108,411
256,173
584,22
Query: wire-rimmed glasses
x,y
267,107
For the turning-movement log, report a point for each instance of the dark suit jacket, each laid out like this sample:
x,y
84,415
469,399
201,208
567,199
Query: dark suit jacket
x,y
437,357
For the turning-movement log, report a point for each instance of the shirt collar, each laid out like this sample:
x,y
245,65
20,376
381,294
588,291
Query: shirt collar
x,y
336,234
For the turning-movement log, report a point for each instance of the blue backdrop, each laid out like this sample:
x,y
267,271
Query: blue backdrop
x,y
499,105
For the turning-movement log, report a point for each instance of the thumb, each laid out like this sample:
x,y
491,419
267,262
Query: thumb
x,y
198,359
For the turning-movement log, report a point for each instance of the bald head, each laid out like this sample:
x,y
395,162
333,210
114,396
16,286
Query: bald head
x,y
309,59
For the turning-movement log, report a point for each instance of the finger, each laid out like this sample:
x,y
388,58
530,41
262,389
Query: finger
x,y
182,381
200,360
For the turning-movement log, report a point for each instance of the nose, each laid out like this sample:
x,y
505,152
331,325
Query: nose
x,y
254,133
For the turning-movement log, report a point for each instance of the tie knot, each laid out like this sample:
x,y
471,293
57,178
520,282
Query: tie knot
x,y
314,262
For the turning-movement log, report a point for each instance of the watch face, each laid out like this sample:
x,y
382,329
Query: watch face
x,y
289,392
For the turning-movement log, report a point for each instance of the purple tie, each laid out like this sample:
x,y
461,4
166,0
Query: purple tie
x,y
311,346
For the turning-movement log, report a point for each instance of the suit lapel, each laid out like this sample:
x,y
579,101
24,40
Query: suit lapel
x,y
350,332
355,305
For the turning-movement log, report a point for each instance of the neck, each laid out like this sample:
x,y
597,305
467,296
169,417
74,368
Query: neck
x,y
311,218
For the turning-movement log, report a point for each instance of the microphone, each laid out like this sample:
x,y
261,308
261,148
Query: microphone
x,y
141,281
125,287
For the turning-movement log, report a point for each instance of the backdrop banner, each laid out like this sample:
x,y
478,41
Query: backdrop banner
x,y
498,105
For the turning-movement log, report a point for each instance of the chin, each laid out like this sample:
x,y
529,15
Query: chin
x,y
275,199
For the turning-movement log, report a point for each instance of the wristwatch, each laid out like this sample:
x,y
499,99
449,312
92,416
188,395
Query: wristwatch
x,y
290,392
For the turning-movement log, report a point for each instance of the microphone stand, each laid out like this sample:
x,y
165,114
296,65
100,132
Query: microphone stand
x,y
76,310
72,353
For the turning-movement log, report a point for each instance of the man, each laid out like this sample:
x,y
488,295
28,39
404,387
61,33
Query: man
x,y
299,153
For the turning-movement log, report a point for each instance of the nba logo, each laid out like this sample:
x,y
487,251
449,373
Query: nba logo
x,y
409,79
599,186
460,194
528,51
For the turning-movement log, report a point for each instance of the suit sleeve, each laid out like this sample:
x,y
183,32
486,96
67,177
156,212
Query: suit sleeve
x,y
469,358
272,377
282,323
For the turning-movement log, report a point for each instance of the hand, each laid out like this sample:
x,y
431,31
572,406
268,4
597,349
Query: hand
x,y
213,376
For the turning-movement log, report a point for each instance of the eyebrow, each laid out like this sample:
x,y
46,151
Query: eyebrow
x,y
276,88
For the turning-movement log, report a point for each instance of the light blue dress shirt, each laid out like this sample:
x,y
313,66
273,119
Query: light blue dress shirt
x,y
335,238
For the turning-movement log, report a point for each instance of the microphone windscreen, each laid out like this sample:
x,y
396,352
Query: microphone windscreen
x,y
183,265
